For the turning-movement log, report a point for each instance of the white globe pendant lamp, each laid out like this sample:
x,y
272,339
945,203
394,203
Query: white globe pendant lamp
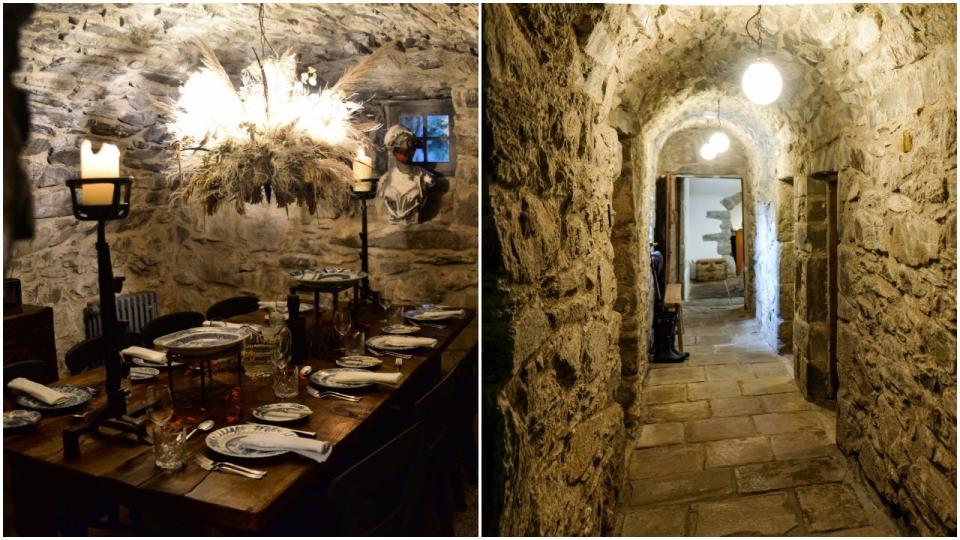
x,y
762,82
720,142
708,152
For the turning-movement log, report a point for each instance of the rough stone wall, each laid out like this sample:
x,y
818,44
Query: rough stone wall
x,y
110,73
551,334
786,220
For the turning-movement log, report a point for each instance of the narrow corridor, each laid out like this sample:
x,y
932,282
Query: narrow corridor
x,y
730,447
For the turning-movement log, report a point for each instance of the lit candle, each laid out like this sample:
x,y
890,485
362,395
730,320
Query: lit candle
x,y
362,165
103,164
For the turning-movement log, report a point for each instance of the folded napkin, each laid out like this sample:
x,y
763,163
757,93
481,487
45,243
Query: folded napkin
x,y
363,377
272,305
149,356
38,391
407,341
318,451
440,314
225,324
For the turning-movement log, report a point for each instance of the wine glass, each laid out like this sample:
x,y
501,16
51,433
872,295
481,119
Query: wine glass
x,y
385,304
161,404
341,322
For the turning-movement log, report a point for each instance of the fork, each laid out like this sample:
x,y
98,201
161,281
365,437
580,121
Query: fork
x,y
346,397
222,466
431,325
377,352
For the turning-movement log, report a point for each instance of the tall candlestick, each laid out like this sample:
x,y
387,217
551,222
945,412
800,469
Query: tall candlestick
x,y
103,164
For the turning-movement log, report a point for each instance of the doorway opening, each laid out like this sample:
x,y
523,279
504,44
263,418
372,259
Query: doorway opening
x,y
825,185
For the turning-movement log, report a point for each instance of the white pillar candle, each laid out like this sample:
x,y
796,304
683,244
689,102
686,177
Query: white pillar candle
x,y
103,164
362,165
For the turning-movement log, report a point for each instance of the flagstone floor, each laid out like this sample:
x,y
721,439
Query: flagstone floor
x,y
730,447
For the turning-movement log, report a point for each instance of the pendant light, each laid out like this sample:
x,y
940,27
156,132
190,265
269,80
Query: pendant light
x,y
761,81
719,140
708,152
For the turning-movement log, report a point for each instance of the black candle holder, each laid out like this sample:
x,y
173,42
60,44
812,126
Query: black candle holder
x,y
114,416
363,196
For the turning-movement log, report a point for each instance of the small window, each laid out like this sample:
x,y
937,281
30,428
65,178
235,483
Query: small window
x,y
432,122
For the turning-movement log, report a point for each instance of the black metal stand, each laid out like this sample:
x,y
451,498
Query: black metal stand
x,y
114,416
366,293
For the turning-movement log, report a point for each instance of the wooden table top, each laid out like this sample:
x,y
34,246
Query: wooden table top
x,y
121,468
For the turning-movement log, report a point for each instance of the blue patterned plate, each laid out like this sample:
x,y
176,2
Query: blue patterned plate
x,y
282,412
140,374
327,275
202,340
434,314
358,362
229,440
20,418
76,397
401,329
324,377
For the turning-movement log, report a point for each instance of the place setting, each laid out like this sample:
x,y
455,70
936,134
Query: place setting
x,y
45,399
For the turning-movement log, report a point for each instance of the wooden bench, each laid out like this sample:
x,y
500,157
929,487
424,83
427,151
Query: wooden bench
x,y
673,299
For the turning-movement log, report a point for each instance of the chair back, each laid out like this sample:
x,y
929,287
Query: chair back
x,y
231,307
91,353
438,409
380,495
35,370
168,324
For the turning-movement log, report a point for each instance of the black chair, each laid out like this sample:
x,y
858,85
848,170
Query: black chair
x,y
35,370
168,324
380,495
231,307
90,353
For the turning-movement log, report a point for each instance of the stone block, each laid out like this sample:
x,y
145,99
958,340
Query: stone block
x,y
830,507
802,444
785,474
668,520
710,269
763,515
665,461
771,369
660,435
736,406
712,390
675,375
772,423
715,429
664,394
914,240
772,385
677,412
789,402
730,452
682,487
728,372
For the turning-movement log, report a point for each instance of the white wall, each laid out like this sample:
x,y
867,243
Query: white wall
x,y
700,196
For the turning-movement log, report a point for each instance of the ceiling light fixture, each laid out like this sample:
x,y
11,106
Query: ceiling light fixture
x,y
761,81
719,140
708,152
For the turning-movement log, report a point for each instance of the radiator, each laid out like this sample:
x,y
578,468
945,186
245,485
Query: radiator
x,y
137,309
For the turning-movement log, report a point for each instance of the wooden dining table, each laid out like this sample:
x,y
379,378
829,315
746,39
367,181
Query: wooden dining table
x,y
115,469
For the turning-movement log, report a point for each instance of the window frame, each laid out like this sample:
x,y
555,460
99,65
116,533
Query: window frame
x,y
424,108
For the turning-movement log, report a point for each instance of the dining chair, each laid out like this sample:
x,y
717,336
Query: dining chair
x,y
35,370
380,494
231,307
90,353
468,374
168,324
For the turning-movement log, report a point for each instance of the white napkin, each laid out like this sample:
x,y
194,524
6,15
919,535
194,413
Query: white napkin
x,y
149,356
38,391
316,450
272,305
363,377
225,324
407,341
437,315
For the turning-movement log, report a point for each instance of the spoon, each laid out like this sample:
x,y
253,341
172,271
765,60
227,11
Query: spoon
x,y
206,425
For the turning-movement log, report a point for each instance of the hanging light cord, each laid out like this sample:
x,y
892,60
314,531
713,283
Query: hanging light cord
x,y
759,39
718,113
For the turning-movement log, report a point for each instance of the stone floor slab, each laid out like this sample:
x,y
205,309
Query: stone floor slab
x,y
736,406
715,429
830,507
730,452
712,390
673,412
773,423
771,369
785,403
769,385
682,487
767,515
728,372
665,461
801,445
711,358
668,520
660,435
715,339
784,474
675,375
664,394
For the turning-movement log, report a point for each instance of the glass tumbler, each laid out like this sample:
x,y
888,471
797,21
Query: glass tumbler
x,y
286,381
354,345
168,445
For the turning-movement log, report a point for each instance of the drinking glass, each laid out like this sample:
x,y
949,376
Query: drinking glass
x,y
385,304
354,345
341,322
168,445
160,403
286,381
258,359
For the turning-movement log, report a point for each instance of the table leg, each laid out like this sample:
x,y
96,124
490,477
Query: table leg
x,y
203,386
170,374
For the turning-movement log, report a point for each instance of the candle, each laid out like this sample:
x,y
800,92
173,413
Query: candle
x,y
362,165
103,164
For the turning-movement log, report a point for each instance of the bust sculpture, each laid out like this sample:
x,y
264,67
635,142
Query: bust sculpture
x,y
403,188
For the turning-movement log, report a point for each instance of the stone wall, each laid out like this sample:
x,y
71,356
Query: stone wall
x,y
110,73
551,360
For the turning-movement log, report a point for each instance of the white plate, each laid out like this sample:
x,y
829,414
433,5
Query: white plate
x,y
229,440
202,340
382,342
76,397
143,363
143,373
282,412
322,378
429,314
401,329
359,362
327,275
